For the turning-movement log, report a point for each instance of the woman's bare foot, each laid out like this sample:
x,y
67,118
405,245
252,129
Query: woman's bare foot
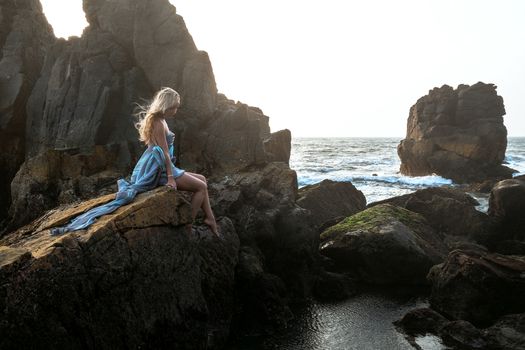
x,y
213,226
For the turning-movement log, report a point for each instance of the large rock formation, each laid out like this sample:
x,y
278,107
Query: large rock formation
x,y
135,278
25,37
86,91
458,134
77,135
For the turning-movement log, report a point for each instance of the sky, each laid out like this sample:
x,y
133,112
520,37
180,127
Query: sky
x,y
346,68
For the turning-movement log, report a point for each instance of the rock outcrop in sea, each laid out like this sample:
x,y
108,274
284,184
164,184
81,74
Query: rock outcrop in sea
x,y
456,133
67,134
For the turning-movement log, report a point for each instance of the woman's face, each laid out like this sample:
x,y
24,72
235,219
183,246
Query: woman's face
x,y
170,112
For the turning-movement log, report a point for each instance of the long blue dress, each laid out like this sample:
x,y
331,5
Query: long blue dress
x,y
149,173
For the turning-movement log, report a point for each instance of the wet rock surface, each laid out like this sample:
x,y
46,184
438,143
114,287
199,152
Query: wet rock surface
x,y
507,332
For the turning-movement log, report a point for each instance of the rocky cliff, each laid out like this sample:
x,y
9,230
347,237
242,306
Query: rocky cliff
x,y
456,133
81,95
25,39
67,134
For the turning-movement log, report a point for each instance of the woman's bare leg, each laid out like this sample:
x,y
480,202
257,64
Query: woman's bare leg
x,y
200,198
206,207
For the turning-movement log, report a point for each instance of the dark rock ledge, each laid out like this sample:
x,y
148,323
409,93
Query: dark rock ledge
x,y
135,278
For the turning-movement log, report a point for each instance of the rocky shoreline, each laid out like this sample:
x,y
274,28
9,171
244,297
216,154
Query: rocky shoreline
x,y
138,278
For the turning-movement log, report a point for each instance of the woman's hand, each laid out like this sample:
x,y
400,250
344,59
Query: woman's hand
x,y
171,182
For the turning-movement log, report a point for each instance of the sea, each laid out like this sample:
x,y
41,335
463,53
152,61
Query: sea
x,y
372,165
364,321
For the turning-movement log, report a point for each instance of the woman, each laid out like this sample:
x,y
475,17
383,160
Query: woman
x,y
154,131
155,167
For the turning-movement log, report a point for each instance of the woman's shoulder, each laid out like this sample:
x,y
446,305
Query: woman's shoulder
x,y
160,124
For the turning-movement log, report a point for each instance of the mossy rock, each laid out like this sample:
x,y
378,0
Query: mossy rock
x,y
384,244
371,219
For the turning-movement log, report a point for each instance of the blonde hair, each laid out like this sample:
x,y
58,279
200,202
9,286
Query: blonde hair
x,y
163,100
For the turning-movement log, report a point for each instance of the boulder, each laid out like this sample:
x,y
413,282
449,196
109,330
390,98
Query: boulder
x,y
261,202
478,286
450,211
384,245
421,321
329,199
458,134
507,206
135,278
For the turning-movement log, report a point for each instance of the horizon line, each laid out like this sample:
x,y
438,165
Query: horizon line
x,y
390,137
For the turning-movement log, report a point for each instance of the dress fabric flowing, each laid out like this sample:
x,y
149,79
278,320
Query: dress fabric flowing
x,y
149,172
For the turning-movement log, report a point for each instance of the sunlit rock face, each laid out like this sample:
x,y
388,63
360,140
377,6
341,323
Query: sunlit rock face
x,y
456,133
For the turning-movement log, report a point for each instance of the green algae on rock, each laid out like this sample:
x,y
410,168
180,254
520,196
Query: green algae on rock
x,y
384,245
370,219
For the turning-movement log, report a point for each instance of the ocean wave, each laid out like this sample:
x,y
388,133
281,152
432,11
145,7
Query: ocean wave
x,y
356,160
417,182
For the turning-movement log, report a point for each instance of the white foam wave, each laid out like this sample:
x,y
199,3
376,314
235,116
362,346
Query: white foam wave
x,y
419,181
516,162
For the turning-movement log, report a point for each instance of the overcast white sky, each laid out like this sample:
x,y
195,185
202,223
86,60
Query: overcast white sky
x,y
349,68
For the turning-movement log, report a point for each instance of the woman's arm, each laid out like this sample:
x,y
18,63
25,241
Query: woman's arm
x,y
159,136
